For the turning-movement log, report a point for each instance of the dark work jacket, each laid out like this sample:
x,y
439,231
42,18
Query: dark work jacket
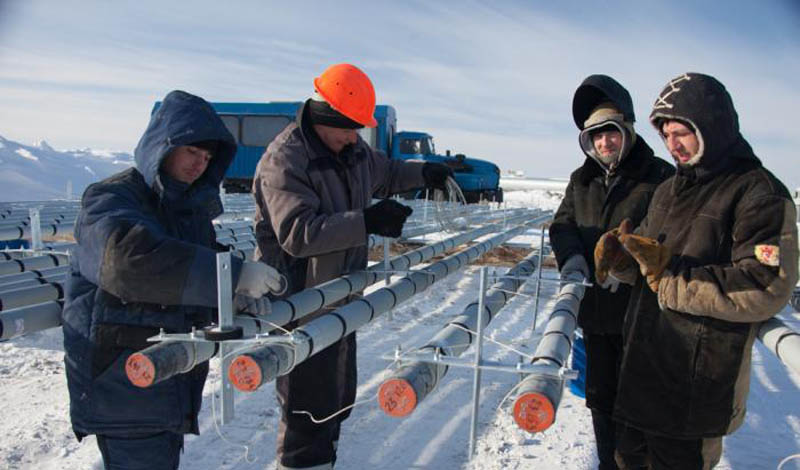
x,y
730,226
593,205
145,260
310,220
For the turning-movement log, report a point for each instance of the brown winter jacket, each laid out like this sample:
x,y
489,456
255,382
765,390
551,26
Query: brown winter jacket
x,y
309,222
730,226
594,204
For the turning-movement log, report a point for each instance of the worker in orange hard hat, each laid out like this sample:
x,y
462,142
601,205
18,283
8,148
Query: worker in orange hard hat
x,y
314,187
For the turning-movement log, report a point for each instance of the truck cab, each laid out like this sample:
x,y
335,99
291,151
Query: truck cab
x,y
478,179
255,125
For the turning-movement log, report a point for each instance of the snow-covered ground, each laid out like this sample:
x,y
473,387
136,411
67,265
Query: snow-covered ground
x,y
35,430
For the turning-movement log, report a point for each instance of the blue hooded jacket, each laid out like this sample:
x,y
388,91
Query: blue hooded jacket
x,y
145,260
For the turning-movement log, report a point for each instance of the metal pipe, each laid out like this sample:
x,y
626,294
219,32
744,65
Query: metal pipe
x,y
254,368
410,384
31,296
26,283
297,306
34,262
24,320
32,274
783,341
166,359
315,298
539,394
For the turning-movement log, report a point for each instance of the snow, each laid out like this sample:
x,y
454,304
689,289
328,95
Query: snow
x,y
35,430
27,154
42,170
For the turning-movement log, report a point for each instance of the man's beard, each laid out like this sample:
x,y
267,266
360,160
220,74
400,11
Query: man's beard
x,y
609,160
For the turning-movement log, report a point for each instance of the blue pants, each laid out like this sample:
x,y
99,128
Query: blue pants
x,y
159,451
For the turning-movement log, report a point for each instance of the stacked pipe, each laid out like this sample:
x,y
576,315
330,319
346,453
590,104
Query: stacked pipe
x,y
252,369
410,384
538,395
33,262
48,230
163,360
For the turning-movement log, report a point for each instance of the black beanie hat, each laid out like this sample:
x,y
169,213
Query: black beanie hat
x,y
210,145
323,114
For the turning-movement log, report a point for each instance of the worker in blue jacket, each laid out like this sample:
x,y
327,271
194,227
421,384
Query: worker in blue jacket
x,y
146,260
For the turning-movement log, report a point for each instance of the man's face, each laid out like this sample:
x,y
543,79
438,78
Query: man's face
x,y
681,142
186,163
335,138
607,143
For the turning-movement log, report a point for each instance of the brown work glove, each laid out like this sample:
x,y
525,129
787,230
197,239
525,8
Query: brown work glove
x,y
651,255
610,259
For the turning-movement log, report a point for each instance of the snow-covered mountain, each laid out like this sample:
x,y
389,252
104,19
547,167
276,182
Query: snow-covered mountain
x,y
40,172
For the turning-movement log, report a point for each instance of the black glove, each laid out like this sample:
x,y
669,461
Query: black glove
x,y
386,218
435,174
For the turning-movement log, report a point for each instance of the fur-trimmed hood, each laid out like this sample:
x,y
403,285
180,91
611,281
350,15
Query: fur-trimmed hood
x,y
703,102
593,91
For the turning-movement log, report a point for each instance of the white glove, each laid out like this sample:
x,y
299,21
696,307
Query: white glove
x,y
612,283
256,306
575,264
257,279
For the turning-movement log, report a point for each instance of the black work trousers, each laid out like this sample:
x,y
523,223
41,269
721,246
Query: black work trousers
x,y
640,450
322,385
603,358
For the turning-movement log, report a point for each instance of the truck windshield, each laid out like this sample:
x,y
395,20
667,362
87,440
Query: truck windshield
x,y
420,146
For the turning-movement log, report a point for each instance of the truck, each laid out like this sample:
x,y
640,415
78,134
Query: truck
x,y
255,125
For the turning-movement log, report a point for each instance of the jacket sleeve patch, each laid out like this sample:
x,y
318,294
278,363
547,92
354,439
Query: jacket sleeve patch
x,y
768,254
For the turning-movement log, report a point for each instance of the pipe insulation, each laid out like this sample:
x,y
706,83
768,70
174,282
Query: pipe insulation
x,y
783,341
538,395
252,369
294,307
25,320
400,394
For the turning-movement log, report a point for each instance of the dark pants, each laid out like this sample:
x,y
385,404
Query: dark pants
x,y
322,385
603,358
640,450
149,452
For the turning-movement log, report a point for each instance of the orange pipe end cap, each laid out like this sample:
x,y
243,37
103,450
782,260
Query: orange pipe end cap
x,y
140,370
534,412
397,398
245,374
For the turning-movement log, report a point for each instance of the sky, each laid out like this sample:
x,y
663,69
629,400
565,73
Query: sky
x,y
492,80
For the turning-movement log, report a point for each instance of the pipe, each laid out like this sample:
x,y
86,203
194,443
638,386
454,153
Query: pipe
x,y
300,305
539,394
34,262
782,341
409,385
36,281
166,359
24,320
32,274
252,369
315,298
31,296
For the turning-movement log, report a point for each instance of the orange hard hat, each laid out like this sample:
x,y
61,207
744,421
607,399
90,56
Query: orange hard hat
x,y
349,91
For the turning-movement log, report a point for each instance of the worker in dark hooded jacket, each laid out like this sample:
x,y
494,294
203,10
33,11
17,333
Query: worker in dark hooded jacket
x,y
146,260
717,253
616,182
313,187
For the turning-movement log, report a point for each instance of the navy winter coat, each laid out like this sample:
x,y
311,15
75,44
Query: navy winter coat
x,y
145,260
